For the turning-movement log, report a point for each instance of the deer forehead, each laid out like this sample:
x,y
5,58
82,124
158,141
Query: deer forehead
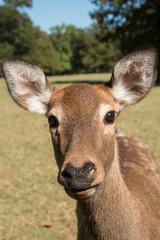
x,y
82,101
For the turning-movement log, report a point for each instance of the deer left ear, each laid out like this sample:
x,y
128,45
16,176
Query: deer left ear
x,y
133,77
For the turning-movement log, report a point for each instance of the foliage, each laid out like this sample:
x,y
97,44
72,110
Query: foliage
x,y
135,23
80,50
6,49
98,56
61,41
42,52
12,27
66,50
142,27
18,3
18,38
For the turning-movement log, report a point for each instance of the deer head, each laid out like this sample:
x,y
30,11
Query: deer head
x,y
82,117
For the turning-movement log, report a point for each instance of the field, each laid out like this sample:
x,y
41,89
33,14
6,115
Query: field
x,y
33,206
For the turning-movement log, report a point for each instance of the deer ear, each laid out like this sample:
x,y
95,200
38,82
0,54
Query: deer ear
x,y
27,85
133,77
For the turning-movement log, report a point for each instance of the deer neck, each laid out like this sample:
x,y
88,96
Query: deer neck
x,y
110,211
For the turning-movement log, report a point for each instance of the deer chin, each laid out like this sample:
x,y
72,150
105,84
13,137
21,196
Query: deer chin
x,y
81,194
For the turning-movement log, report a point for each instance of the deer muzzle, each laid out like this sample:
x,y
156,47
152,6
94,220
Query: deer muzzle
x,y
78,181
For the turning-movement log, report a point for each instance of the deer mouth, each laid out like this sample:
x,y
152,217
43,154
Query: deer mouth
x,y
79,194
78,188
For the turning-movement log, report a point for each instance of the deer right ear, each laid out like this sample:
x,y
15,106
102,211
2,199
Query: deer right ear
x,y
27,85
133,77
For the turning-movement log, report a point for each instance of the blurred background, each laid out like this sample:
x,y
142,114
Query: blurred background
x,y
66,37
72,41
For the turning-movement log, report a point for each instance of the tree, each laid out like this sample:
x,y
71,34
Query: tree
x,y
75,38
80,50
61,42
18,3
98,56
6,49
136,23
18,38
15,30
42,52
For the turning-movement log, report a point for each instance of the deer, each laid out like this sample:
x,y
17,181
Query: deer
x,y
114,178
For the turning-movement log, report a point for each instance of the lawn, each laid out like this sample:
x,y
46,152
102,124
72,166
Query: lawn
x,y
33,206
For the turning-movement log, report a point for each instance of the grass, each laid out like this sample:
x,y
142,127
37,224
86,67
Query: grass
x,y
29,192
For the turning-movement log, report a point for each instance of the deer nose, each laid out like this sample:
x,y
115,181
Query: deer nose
x,y
79,178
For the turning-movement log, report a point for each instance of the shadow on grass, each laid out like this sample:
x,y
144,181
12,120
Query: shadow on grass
x,y
96,82
78,81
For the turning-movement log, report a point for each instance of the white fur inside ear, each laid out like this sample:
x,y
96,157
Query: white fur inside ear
x,y
38,103
124,95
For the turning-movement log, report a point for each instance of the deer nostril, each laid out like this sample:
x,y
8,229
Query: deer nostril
x,y
91,173
89,168
68,172
66,175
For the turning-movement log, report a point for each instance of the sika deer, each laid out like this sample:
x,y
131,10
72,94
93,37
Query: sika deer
x,y
115,179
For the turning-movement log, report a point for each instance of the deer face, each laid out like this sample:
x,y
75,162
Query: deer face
x,y
81,117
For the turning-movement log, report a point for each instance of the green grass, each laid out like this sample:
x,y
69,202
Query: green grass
x,y
82,77
29,192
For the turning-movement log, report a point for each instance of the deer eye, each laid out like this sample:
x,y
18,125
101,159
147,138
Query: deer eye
x,y
53,122
109,118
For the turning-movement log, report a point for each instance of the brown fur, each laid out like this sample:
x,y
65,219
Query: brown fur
x,y
127,204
